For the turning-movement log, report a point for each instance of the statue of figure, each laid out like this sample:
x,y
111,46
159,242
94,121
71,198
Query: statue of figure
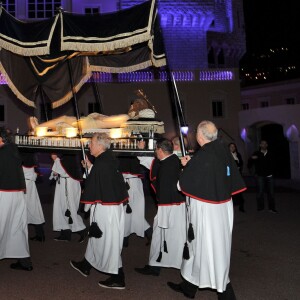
x,y
141,107
92,121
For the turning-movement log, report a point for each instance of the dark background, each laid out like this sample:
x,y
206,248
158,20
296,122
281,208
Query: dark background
x,y
272,39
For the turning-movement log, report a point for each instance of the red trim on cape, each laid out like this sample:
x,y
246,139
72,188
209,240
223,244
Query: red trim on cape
x,y
34,166
104,203
23,190
68,173
171,204
239,191
206,200
136,175
153,188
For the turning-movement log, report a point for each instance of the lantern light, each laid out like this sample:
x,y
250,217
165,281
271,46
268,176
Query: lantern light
x,y
41,131
71,132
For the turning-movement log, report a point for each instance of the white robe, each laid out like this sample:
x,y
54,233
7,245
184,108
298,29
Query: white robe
x,y
63,202
13,226
208,266
169,224
104,253
135,222
35,213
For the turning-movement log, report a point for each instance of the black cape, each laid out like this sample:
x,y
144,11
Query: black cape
x,y
130,165
212,175
72,166
11,172
164,178
105,184
28,159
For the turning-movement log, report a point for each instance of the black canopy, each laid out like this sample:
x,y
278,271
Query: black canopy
x,y
35,55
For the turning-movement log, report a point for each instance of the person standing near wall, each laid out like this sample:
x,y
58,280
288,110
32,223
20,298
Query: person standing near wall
x,y
264,165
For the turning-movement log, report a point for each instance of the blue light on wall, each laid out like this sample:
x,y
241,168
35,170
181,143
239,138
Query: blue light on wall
x,y
216,75
163,76
178,76
144,76
101,77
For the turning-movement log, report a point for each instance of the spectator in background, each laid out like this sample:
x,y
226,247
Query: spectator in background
x,y
263,163
237,199
177,146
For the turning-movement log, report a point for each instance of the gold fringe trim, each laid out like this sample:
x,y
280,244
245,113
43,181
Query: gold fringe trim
x,y
21,49
24,51
45,71
53,60
56,60
69,95
132,68
104,44
14,89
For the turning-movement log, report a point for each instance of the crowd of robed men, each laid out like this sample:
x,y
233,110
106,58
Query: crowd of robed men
x,y
192,229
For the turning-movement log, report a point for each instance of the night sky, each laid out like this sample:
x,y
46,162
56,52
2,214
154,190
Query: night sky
x,y
271,23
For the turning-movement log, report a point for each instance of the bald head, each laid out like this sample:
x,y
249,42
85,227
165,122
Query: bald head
x,y
206,132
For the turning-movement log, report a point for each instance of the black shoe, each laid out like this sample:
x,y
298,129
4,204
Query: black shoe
x,y
177,288
147,270
80,267
274,211
112,283
18,266
38,238
61,239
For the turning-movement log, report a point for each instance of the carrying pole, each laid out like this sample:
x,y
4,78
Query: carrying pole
x,y
179,112
77,112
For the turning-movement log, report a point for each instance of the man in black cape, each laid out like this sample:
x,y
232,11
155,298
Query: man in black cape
x,y
104,194
169,230
209,180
